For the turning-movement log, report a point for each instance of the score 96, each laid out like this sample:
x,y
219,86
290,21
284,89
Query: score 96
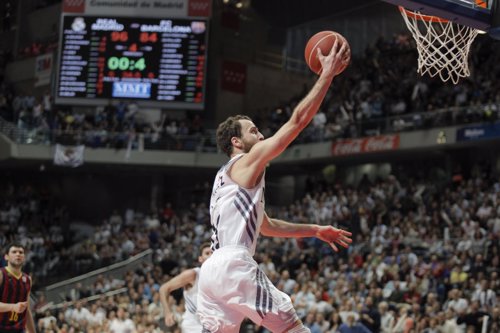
x,y
119,36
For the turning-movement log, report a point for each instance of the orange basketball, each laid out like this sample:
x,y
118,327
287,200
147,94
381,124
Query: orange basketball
x,y
325,40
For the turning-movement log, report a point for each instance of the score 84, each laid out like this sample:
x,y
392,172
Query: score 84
x,y
145,37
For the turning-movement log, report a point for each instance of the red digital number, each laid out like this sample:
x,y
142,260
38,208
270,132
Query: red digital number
x,y
148,38
115,36
119,36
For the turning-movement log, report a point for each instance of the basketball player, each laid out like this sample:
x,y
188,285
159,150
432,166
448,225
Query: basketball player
x,y
189,281
231,285
15,287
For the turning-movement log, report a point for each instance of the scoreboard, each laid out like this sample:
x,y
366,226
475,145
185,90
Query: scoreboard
x,y
156,62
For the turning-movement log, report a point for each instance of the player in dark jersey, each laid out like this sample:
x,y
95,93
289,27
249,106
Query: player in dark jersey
x,y
15,287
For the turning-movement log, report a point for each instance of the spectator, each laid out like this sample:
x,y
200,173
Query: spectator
x,y
386,318
311,324
122,323
485,296
370,317
404,321
474,318
351,326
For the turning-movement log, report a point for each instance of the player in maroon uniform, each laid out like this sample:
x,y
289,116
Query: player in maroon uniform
x,y
15,286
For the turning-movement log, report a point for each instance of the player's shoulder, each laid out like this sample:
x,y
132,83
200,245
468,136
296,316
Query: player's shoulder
x,y
232,161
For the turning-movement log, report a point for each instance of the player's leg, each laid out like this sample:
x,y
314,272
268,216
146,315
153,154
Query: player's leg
x,y
190,324
225,321
267,306
217,287
284,318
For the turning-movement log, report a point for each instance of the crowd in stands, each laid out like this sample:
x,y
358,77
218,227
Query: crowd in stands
x,y
425,258
380,92
118,126
31,215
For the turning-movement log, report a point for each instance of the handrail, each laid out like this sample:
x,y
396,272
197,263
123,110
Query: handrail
x,y
53,291
51,306
407,122
100,270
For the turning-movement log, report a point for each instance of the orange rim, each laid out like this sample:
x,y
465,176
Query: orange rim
x,y
422,17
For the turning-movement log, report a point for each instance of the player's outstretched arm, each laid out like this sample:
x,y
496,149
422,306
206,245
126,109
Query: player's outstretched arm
x,y
264,151
181,280
328,234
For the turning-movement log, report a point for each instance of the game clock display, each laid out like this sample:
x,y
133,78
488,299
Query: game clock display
x,y
158,62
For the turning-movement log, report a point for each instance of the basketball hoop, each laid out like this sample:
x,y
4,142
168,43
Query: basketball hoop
x,y
443,46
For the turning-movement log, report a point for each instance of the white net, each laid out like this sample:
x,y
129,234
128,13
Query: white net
x,y
443,46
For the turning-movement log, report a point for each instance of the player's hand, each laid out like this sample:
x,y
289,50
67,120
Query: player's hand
x,y
20,307
169,320
333,60
334,236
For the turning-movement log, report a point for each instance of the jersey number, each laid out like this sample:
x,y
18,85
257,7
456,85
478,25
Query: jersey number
x,y
13,316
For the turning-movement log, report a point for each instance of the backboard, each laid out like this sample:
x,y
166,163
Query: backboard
x,y
477,14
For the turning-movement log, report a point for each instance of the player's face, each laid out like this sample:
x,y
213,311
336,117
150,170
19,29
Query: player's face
x,y
250,134
205,254
15,257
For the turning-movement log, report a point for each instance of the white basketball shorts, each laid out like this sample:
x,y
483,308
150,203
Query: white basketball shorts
x,y
190,323
232,288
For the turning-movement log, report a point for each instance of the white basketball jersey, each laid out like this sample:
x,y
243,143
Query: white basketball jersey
x,y
190,294
235,212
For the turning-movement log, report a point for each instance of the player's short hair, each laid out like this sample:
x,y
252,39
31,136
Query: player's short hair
x,y
13,244
228,129
204,246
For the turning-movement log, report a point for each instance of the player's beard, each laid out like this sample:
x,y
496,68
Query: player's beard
x,y
247,145
17,264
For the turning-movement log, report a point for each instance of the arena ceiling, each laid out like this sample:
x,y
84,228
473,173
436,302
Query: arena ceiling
x,y
286,13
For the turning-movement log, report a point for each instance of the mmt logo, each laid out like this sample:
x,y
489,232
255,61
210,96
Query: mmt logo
x,y
131,90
